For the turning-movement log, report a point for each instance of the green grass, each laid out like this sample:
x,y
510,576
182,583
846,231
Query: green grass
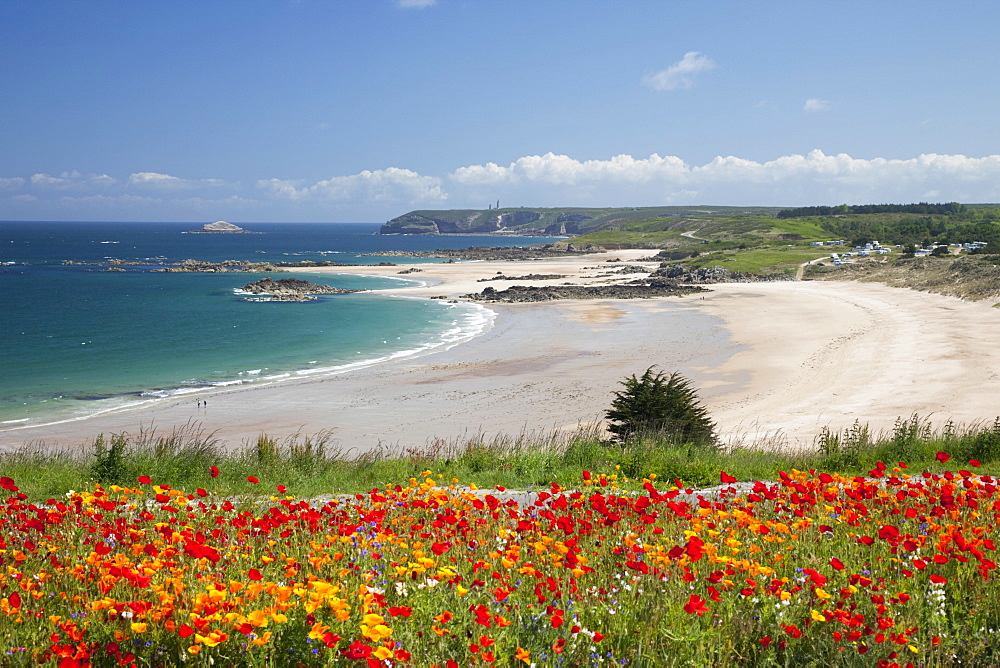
x,y
766,259
314,465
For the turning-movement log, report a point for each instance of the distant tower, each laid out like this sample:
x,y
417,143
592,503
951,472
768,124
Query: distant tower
x,y
498,203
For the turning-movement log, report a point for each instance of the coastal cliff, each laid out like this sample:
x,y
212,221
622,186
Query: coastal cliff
x,y
555,222
513,221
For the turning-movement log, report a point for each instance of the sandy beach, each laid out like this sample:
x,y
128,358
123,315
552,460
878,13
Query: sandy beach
x,y
771,361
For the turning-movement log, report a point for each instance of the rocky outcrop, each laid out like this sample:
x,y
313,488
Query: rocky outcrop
x,y
526,277
703,275
567,224
290,289
642,289
200,266
220,227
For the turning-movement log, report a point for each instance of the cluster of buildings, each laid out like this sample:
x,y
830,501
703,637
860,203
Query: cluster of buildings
x,y
875,248
952,248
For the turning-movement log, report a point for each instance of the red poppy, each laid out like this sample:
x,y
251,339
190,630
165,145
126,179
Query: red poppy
x,y
695,605
14,600
201,492
938,579
975,462
253,479
282,489
214,471
942,457
7,483
184,631
837,563
144,479
725,478
254,574
358,651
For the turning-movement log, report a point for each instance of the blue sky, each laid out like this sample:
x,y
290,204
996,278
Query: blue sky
x,y
360,110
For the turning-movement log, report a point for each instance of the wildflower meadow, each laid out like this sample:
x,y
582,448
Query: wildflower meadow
x,y
892,568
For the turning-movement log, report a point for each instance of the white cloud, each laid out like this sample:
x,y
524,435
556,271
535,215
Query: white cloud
x,y
816,104
72,180
165,181
415,4
534,180
15,183
378,186
679,75
793,180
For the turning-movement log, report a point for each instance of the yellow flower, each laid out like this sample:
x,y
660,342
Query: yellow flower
x,y
318,630
263,640
258,618
139,627
818,616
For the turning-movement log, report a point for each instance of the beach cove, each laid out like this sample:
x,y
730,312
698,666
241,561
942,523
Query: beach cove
x,y
772,361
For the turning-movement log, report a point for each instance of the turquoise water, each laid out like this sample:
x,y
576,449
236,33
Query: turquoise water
x,y
77,341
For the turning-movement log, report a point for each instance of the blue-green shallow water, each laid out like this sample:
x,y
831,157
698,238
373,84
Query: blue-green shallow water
x,y
76,341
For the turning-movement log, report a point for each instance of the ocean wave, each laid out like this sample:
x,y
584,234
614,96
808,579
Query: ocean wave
x,y
470,320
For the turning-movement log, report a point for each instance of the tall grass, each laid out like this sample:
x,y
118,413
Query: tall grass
x,y
316,464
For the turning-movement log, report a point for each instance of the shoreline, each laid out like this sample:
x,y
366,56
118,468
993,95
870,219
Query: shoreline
x,y
771,362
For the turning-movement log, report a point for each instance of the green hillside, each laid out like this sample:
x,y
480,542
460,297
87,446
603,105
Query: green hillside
x,y
561,221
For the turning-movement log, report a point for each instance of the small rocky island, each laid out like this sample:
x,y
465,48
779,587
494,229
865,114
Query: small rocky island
x,y
221,227
287,290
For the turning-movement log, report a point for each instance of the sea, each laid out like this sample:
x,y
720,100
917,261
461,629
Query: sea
x,y
77,340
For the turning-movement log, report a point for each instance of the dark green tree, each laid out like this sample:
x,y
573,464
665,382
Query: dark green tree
x,y
940,251
657,404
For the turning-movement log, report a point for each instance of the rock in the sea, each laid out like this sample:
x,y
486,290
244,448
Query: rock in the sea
x,y
220,227
290,289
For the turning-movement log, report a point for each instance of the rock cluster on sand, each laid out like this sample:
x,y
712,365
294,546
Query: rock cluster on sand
x,y
642,289
701,275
